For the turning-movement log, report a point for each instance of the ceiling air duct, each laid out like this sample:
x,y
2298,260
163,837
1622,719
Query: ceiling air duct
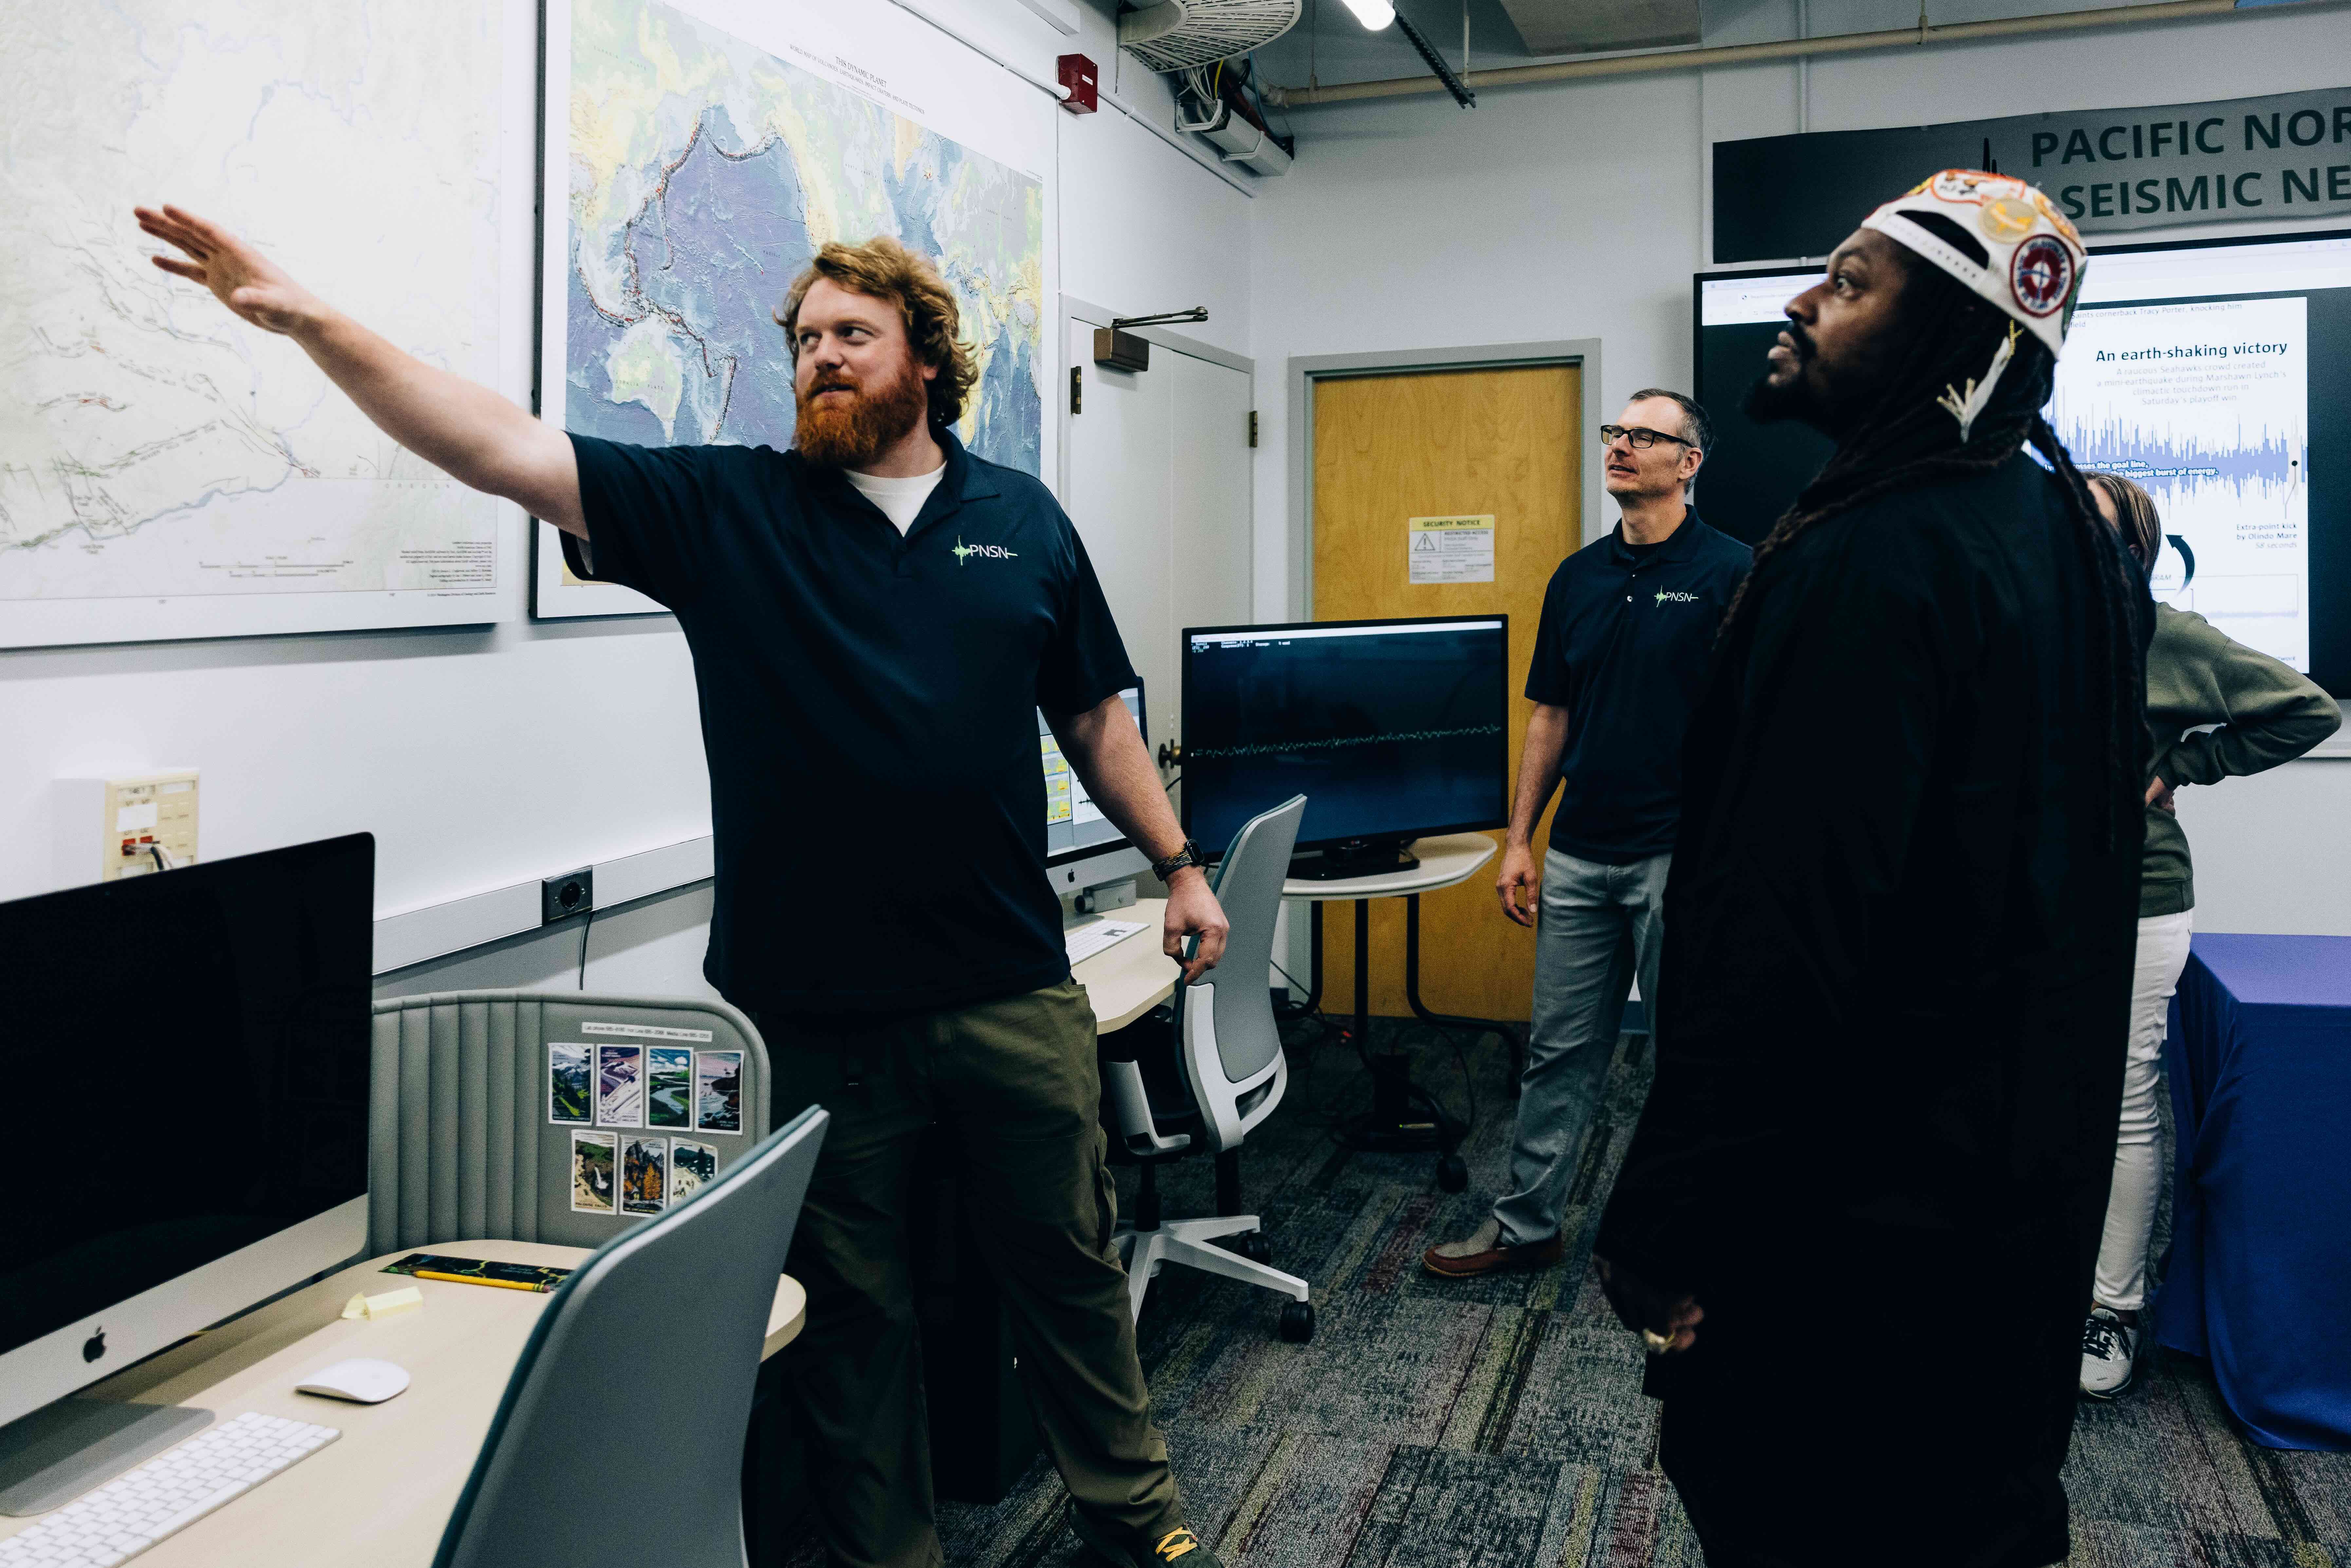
x,y
1177,35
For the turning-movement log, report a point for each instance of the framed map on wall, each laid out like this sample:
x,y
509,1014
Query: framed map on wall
x,y
167,471
696,157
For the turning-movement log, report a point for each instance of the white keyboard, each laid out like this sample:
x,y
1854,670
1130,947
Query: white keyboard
x,y
1085,941
166,1494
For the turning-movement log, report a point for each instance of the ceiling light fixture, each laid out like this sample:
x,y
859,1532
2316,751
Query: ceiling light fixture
x,y
1373,14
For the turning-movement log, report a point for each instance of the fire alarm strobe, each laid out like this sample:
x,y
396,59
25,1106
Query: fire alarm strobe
x,y
1078,75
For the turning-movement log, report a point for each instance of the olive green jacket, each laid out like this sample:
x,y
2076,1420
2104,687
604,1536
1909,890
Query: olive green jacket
x,y
2267,714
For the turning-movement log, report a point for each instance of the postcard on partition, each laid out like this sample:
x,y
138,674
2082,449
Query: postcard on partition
x,y
669,1086
718,1091
644,1176
619,1085
571,1099
591,1172
691,1167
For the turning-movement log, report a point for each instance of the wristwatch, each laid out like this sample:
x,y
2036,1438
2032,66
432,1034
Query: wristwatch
x,y
1188,855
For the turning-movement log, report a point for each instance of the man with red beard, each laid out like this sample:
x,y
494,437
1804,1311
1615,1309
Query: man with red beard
x,y
875,616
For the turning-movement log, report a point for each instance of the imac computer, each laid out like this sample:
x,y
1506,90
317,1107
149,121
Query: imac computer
x,y
194,1049
1392,729
1082,850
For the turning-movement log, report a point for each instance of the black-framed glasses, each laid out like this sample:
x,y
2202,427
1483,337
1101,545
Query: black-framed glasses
x,y
1640,437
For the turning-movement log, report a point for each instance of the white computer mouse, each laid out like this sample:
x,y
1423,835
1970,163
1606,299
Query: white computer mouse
x,y
362,1382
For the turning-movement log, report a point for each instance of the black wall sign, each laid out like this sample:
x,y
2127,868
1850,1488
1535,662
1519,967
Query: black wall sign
x,y
2284,156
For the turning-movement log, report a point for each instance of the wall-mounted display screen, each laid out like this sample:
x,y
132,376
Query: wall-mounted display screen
x,y
2217,373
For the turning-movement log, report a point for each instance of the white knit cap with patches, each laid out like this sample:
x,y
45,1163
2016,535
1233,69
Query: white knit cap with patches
x,y
2000,236
2009,243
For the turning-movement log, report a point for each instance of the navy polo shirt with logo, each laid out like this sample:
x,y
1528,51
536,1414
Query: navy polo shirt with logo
x,y
869,709
1627,633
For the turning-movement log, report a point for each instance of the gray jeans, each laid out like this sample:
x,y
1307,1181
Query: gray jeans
x,y
1600,924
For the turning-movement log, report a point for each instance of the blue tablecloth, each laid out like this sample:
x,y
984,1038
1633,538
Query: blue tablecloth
x,y
2259,1280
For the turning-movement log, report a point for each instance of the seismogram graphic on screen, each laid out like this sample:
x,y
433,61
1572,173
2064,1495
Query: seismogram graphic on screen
x,y
2207,405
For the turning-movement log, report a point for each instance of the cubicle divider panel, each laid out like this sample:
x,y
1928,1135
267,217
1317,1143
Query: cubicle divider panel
x,y
472,1134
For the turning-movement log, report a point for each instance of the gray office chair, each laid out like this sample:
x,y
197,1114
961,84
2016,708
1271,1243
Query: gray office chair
x,y
1231,1074
619,1440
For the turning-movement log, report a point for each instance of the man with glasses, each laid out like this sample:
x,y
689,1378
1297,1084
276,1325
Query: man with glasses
x,y
1628,626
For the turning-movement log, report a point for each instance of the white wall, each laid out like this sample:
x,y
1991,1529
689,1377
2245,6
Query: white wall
x,y
484,757
1580,210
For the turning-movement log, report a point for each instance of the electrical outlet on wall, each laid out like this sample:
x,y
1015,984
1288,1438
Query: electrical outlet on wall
x,y
561,897
114,828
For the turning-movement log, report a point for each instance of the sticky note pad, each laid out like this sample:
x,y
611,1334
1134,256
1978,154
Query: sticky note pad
x,y
390,1301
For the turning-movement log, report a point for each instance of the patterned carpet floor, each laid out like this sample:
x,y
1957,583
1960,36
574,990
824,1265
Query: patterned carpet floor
x,y
1497,1423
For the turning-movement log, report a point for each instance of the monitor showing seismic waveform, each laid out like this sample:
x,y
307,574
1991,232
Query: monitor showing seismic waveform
x,y
1391,729
2216,374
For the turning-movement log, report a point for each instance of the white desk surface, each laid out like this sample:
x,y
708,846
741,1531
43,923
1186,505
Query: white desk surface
x,y
1445,861
379,1496
1131,976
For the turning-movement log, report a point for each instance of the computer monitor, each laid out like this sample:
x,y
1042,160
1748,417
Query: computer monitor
x,y
189,1053
1392,729
2215,372
1083,849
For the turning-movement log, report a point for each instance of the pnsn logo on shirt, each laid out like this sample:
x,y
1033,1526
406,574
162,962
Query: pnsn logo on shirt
x,y
964,552
1666,593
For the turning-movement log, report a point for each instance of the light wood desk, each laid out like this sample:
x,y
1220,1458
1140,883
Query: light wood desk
x,y
1128,978
380,1495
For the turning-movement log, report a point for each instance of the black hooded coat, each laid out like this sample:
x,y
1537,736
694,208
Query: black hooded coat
x,y
1893,1000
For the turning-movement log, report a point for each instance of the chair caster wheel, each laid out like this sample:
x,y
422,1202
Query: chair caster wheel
x,y
1453,1174
1297,1322
1254,1246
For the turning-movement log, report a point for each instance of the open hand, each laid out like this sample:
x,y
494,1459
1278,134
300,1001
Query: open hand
x,y
2158,795
1647,1309
1192,911
1518,873
244,279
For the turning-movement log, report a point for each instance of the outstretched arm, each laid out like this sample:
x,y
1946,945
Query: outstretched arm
x,y
468,431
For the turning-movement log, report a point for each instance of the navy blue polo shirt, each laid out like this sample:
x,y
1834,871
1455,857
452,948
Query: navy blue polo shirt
x,y
869,708
1626,638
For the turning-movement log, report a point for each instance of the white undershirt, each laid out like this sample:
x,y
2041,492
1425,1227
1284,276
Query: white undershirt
x,y
901,500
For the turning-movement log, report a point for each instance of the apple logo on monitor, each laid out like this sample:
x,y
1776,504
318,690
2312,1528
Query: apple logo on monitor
x,y
94,1346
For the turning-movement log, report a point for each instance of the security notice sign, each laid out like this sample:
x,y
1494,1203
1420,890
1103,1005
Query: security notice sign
x,y
1451,549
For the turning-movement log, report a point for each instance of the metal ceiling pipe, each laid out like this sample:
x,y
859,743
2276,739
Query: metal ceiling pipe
x,y
1652,60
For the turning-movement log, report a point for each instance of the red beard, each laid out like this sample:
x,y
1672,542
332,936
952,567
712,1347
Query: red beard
x,y
853,434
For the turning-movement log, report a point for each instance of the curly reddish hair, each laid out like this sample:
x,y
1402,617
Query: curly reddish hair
x,y
882,268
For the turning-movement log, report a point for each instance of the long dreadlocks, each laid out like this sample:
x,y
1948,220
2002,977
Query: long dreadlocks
x,y
1911,439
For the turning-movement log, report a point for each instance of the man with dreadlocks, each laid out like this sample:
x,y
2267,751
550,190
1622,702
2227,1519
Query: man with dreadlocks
x,y
1856,1225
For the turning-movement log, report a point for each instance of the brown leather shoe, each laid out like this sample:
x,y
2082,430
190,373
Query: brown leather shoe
x,y
1483,1252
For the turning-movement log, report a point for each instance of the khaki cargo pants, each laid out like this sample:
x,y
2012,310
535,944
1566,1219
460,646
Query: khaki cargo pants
x,y
1014,1085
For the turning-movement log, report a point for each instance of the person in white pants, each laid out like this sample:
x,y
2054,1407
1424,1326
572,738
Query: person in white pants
x,y
2267,714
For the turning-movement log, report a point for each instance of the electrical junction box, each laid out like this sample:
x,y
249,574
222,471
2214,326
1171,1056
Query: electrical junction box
x,y
110,828
1121,351
561,897
1084,82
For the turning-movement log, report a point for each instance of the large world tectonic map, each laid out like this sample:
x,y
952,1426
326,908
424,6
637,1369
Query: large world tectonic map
x,y
154,448
705,171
